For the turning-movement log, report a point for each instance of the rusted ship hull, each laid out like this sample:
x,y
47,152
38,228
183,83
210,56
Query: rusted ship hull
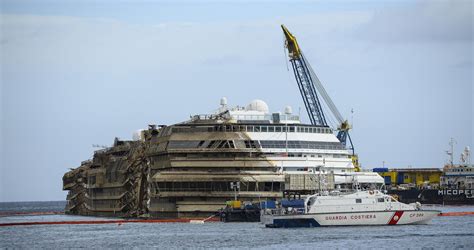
x,y
165,175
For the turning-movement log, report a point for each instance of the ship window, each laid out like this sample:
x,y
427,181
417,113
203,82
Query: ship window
x,y
277,129
264,129
380,200
358,200
252,186
271,129
92,180
251,144
268,186
277,187
292,129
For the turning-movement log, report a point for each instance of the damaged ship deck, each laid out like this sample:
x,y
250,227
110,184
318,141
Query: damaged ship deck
x,y
183,170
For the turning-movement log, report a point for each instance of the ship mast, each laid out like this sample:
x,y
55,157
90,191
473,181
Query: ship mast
x,y
451,152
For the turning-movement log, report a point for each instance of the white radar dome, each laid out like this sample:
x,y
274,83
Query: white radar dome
x,y
223,101
258,105
288,110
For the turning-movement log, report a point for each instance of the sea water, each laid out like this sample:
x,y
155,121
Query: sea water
x,y
443,232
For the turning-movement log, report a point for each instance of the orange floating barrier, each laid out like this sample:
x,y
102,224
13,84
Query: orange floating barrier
x,y
456,214
79,222
4,214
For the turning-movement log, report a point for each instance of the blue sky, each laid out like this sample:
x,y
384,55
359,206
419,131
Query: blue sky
x,y
77,73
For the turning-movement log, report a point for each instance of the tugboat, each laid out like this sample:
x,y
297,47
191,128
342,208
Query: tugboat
x,y
357,208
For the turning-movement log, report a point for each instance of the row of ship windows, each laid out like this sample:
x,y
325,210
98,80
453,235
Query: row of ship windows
x,y
302,144
378,200
105,192
218,186
255,144
462,170
254,128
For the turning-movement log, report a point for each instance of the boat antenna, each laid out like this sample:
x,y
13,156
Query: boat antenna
x,y
451,152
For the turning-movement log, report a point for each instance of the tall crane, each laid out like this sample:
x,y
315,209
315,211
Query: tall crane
x,y
309,86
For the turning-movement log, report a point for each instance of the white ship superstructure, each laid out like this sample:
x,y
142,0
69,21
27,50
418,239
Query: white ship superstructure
x,y
291,146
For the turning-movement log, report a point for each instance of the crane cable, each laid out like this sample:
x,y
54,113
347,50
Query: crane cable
x,y
284,52
324,94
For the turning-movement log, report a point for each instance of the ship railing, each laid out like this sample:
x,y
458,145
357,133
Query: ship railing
x,y
284,211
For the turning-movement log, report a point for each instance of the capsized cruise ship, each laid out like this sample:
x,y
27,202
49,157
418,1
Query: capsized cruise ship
x,y
192,168
246,153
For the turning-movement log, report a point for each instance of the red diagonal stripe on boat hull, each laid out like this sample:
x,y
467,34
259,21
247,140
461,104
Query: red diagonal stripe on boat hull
x,y
395,218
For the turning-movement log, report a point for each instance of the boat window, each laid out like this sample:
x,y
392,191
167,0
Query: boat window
x,y
271,129
264,128
292,129
358,200
380,200
277,129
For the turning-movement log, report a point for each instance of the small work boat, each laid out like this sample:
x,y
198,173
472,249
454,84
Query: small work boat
x,y
357,208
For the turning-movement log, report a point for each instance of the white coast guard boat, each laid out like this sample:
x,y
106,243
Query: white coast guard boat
x,y
349,209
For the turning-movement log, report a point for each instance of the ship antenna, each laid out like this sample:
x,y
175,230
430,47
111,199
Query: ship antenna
x,y
451,153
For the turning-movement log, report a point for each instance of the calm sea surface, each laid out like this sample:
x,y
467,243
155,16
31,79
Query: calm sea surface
x,y
443,232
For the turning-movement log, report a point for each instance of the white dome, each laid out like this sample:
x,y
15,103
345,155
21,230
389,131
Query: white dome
x,y
223,101
258,105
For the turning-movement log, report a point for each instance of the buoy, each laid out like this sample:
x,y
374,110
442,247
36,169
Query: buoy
x,y
196,221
